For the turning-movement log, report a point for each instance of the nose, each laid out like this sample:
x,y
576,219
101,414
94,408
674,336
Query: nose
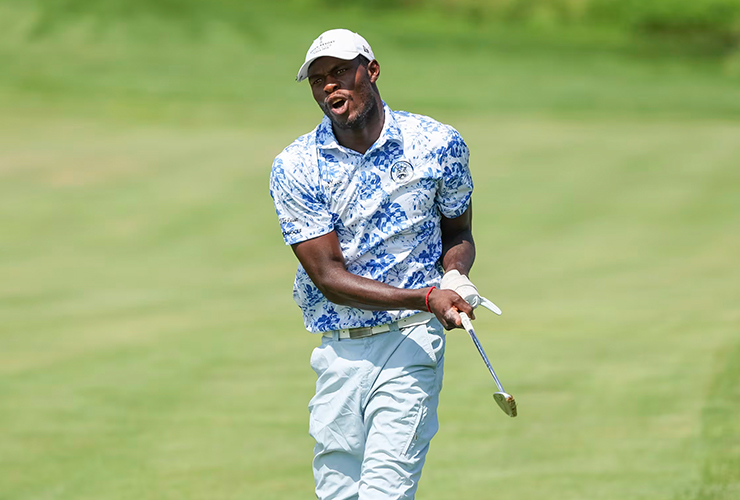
x,y
331,85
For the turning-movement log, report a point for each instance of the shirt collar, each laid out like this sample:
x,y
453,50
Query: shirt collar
x,y
391,132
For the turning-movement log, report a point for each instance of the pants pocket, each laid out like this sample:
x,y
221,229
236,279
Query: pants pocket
x,y
431,338
424,429
318,361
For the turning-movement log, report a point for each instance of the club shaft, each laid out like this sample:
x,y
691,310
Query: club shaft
x,y
471,332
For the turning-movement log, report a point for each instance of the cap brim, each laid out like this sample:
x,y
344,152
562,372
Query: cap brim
x,y
303,72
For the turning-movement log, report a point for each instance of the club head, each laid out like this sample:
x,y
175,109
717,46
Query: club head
x,y
506,403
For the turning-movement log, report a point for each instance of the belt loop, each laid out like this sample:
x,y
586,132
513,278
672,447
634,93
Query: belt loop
x,y
335,335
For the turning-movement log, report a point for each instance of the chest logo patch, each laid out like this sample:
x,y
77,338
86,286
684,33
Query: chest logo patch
x,y
402,172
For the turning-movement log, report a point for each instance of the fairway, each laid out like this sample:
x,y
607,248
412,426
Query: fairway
x,y
150,348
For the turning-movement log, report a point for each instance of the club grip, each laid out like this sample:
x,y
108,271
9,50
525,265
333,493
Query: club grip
x,y
466,323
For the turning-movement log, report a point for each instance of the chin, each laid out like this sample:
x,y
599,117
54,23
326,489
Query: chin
x,y
354,120
344,123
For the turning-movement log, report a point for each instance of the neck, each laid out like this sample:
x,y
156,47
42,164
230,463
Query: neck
x,y
360,138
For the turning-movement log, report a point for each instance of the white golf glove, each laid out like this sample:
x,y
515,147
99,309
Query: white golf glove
x,y
459,283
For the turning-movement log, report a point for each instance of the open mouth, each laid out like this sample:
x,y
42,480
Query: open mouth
x,y
339,106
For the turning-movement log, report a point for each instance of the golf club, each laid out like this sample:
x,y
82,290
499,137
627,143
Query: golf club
x,y
505,401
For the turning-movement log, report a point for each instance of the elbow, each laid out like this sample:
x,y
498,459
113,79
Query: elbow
x,y
328,292
328,288
335,298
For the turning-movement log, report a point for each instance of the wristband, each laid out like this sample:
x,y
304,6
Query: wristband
x,y
426,299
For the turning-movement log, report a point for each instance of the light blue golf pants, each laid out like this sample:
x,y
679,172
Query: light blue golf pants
x,y
375,412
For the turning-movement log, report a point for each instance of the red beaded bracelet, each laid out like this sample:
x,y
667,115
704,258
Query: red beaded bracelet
x,y
426,299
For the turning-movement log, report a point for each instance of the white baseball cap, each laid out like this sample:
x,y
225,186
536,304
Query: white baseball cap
x,y
339,43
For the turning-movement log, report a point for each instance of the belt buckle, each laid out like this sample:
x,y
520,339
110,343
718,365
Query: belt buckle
x,y
361,332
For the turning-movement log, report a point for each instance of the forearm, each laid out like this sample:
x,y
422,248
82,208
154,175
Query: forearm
x,y
344,288
458,252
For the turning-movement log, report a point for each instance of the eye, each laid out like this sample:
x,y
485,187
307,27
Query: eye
x,y
341,70
316,81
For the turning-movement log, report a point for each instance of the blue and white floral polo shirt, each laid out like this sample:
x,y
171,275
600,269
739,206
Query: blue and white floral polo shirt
x,y
384,205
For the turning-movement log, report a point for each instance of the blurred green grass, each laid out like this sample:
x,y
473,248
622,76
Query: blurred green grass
x,y
147,68
149,347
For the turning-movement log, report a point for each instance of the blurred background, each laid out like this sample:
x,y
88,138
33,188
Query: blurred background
x,y
149,345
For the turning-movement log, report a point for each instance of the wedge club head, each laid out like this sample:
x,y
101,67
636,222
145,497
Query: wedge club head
x,y
504,400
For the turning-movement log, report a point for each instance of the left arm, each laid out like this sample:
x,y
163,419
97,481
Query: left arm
x,y
458,247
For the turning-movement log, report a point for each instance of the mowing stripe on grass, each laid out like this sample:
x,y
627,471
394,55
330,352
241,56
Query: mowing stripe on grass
x,y
720,474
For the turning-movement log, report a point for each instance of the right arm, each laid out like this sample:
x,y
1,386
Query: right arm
x,y
323,261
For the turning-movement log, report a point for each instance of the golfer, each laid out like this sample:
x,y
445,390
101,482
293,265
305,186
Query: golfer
x,y
376,205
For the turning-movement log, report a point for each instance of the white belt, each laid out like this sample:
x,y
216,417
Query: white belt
x,y
368,331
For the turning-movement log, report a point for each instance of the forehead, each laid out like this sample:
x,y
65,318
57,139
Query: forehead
x,y
324,65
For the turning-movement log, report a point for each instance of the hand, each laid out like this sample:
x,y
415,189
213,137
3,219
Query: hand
x,y
446,304
453,280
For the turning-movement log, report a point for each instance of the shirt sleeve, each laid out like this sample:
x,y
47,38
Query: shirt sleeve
x,y
453,195
298,202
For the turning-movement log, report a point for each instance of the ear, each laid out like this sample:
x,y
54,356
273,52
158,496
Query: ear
x,y
373,70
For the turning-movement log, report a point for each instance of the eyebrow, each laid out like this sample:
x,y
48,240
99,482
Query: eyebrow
x,y
332,69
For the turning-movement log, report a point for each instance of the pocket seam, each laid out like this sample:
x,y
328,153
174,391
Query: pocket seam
x,y
413,436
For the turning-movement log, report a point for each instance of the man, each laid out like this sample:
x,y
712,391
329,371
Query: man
x,y
376,205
